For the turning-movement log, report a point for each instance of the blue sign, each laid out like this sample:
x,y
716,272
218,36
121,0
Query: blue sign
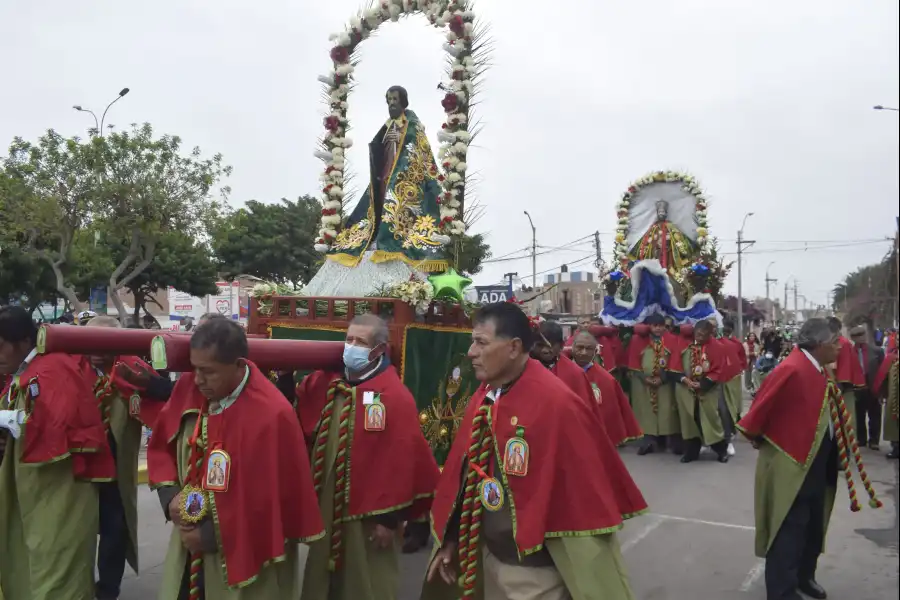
x,y
493,293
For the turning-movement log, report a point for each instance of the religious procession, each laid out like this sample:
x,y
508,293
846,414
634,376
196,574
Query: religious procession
x,y
353,396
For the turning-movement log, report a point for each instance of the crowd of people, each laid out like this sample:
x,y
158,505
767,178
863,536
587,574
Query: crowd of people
x,y
531,497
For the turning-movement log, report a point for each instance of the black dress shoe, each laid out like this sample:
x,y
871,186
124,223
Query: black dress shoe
x,y
894,453
687,458
646,449
723,458
812,589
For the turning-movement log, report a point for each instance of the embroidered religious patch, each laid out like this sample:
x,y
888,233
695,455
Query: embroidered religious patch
x,y
491,494
376,416
597,395
515,457
134,405
218,471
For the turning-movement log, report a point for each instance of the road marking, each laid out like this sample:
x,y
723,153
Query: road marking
x,y
647,530
702,522
753,576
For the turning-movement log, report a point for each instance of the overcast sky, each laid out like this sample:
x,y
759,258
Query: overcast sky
x,y
767,102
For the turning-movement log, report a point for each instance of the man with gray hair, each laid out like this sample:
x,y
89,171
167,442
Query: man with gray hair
x,y
367,417
791,425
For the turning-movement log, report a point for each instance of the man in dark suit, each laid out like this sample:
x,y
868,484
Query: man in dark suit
x,y
868,407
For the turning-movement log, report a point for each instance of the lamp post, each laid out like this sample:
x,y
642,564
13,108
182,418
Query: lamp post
x,y
533,252
772,281
98,125
741,242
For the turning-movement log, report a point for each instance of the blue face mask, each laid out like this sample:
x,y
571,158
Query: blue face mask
x,y
356,358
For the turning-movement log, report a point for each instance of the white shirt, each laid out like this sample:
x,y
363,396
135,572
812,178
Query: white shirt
x,y
819,368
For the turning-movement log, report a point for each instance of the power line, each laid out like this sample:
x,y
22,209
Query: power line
x,y
810,248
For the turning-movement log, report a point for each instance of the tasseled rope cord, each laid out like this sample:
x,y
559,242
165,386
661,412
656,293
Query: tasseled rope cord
x,y
195,468
846,436
103,391
654,391
340,463
480,447
894,390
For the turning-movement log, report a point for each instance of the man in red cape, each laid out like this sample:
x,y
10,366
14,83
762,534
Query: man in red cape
x,y
372,468
868,404
847,371
887,387
799,422
653,385
124,411
732,391
618,418
53,446
527,500
225,460
700,368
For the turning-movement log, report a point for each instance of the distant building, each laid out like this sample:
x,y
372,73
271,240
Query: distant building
x,y
576,293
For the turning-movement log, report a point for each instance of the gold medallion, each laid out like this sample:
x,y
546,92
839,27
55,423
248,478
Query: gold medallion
x,y
194,505
491,494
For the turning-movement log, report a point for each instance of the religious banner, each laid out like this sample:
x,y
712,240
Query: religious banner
x,y
440,376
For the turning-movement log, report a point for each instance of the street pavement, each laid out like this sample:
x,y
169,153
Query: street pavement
x,y
695,544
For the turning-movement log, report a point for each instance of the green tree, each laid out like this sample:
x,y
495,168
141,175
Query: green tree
x,y
868,294
270,241
128,185
466,253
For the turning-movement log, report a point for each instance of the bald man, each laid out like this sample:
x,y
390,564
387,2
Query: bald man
x,y
124,410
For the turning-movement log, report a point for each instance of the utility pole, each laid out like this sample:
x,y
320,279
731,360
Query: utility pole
x,y
772,281
785,305
795,302
741,242
533,251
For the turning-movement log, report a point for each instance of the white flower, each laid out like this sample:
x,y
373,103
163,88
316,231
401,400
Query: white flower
x,y
344,39
445,136
337,153
461,167
460,148
451,37
335,191
452,50
322,248
322,154
333,220
463,135
454,177
327,80
344,69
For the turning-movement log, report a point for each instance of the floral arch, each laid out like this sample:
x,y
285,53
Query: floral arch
x,y
464,67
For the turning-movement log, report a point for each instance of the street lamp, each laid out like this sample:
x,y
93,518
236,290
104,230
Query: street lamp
x,y
98,125
880,107
740,299
533,252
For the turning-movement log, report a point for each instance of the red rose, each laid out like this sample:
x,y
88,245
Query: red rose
x,y
632,190
459,75
339,54
440,177
456,25
329,169
329,211
332,123
450,102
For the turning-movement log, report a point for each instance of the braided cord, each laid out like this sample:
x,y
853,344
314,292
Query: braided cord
x,y
341,489
847,443
195,468
103,392
654,391
480,447
894,390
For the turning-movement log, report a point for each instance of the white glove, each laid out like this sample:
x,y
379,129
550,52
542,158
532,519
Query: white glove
x,y
12,421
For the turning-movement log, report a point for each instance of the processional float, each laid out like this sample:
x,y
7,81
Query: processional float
x,y
662,263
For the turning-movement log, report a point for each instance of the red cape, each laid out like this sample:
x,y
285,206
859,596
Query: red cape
x,y
150,407
640,342
575,379
847,369
735,357
618,417
64,418
787,407
715,354
883,371
390,469
572,486
270,497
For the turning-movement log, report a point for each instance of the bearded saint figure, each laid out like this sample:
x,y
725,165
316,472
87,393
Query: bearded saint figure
x,y
396,221
664,242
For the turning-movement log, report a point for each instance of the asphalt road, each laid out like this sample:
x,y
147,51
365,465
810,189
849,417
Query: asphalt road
x,y
696,544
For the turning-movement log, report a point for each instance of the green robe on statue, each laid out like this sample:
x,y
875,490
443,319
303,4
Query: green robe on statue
x,y
277,580
665,420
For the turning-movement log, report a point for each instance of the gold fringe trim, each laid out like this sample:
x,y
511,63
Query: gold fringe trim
x,y
348,260
428,265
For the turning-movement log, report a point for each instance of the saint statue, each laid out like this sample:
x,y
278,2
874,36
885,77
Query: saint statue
x,y
396,220
665,243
